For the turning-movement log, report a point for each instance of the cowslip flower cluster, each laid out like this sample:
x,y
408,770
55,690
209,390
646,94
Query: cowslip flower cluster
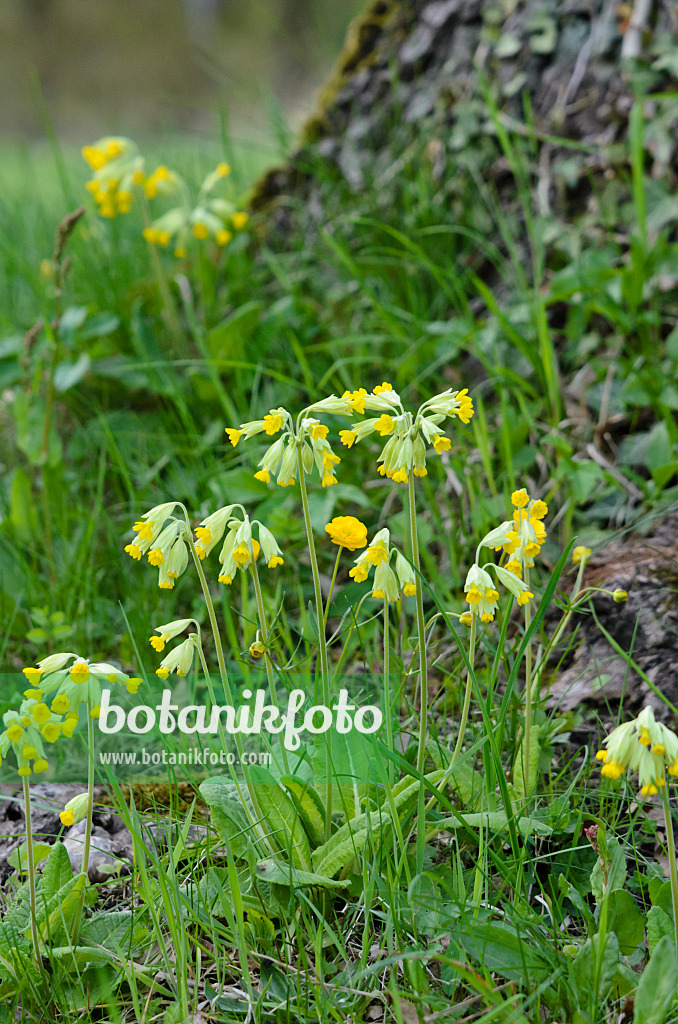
x,y
207,216
347,532
408,435
69,682
118,167
522,537
180,658
387,582
240,548
644,746
164,538
308,437
482,595
52,703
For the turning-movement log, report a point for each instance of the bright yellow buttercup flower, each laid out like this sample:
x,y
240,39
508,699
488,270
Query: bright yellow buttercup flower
x,y
347,532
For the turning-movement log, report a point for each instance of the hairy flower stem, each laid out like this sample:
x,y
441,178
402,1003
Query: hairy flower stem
x,y
387,693
528,694
222,665
322,639
31,866
423,680
331,590
90,789
671,849
467,694
263,626
87,843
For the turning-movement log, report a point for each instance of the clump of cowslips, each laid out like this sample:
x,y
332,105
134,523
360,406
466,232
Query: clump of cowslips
x,y
118,167
201,218
643,746
408,434
308,437
387,582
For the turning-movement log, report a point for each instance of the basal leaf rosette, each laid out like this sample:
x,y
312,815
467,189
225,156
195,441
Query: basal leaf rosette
x,y
644,747
303,440
409,434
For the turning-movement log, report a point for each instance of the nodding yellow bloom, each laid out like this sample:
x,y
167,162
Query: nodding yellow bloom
x,y
407,434
201,230
643,746
384,425
158,642
378,555
32,674
234,435
581,554
67,818
272,423
239,220
347,532
223,237
80,672
520,498
524,597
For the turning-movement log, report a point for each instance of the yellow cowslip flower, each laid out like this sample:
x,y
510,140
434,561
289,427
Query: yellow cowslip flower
x,y
378,555
118,169
643,746
302,441
207,216
240,549
75,810
522,537
408,434
581,554
347,532
180,658
480,592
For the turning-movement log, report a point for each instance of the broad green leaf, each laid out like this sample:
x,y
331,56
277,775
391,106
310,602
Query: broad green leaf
x,y
582,968
18,859
284,826
309,806
56,873
352,772
625,920
348,841
228,814
277,872
495,821
659,926
657,986
499,947
59,920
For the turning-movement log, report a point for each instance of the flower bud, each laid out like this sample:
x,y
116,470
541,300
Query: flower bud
x,y
620,596
75,810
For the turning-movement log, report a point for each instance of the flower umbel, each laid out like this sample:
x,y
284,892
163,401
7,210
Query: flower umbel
x,y
407,434
643,746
